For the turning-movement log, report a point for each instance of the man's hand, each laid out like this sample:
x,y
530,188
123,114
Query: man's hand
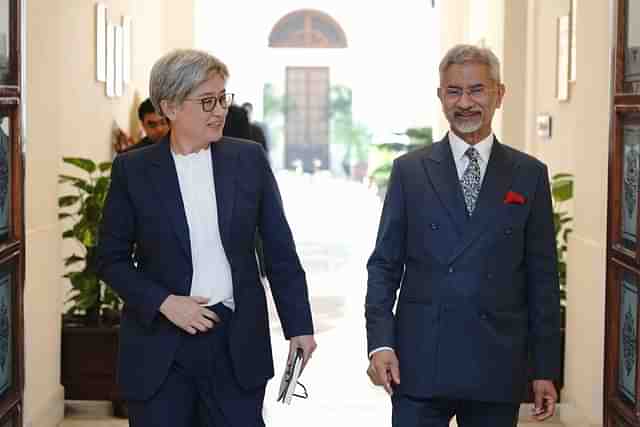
x,y
545,398
122,141
305,342
187,313
384,370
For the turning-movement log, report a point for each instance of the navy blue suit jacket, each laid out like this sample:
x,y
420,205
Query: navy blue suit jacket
x,y
476,294
154,222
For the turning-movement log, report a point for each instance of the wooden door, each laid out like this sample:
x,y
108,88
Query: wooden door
x,y
622,382
307,118
12,247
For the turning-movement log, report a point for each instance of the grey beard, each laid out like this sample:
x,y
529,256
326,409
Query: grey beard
x,y
467,126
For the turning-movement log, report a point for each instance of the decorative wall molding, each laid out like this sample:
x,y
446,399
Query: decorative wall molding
x,y
113,52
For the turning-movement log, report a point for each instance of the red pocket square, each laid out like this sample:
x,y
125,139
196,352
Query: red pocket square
x,y
514,198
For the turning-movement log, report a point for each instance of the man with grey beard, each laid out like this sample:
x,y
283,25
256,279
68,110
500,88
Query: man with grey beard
x,y
467,238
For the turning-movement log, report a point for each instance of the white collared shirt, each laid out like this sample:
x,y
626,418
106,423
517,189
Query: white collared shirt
x,y
211,270
459,146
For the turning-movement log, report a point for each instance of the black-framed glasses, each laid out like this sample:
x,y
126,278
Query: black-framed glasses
x,y
209,103
477,93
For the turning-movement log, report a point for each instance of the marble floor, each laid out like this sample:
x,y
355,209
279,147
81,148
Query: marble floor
x,y
334,223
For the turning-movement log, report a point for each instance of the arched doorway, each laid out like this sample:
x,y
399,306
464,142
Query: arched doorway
x,y
307,88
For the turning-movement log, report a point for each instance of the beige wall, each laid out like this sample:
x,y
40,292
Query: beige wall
x,y
68,114
579,145
178,14
43,392
514,74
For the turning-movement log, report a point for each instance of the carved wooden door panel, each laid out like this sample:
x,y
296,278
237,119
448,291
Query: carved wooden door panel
x,y
622,382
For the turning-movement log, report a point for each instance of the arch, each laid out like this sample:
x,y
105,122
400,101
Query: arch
x,y
307,28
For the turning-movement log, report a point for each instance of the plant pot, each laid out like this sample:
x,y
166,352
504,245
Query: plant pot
x,y
89,362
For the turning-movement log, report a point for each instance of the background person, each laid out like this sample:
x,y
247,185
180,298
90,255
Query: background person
x,y
154,125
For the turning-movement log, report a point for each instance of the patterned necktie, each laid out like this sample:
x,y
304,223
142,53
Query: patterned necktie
x,y
470,180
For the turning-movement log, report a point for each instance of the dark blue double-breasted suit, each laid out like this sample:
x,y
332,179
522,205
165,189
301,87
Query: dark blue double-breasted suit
x,y
144,208
475,293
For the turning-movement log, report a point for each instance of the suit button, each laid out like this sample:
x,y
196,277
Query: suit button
x,y
489,276
484,316
451,270
508,231
434,226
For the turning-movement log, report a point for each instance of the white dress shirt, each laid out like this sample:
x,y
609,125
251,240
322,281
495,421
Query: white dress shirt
x,y
458,147
211,270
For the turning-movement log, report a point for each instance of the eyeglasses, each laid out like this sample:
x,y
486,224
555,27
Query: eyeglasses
x,y
209,103
477,93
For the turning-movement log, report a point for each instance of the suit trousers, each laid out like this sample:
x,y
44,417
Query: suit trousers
x,y
201,389
438,412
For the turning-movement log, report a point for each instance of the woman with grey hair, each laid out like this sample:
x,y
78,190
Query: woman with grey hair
x,y
194,343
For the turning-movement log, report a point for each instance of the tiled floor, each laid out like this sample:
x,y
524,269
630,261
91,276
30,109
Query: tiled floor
x,y
335,231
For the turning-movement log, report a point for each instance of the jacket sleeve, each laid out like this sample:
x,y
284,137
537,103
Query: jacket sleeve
x,y
115,250
386,266
284,271
542,283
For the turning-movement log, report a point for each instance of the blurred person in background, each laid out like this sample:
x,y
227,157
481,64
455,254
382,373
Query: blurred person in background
x,y
154,125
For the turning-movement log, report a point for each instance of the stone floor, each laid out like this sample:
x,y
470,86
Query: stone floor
x,y
334,223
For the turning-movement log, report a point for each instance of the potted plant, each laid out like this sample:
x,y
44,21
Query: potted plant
x,y
90,299
392,146
90,324
561,191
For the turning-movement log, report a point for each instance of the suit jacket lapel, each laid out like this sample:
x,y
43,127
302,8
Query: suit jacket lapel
x,y
496,184
442,172
224,175
165,182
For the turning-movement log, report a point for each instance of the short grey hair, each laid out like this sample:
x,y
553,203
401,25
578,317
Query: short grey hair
x,y
179,72
465,53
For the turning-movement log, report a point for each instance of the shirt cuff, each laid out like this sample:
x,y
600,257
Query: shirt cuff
x,y
375,350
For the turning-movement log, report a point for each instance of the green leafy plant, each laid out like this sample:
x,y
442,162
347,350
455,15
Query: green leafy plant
x,y
89,296
420,136
387,152
562,191
355,136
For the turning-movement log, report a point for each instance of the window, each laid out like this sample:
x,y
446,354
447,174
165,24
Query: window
x,y
307,29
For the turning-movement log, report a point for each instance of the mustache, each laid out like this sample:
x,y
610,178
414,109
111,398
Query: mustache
x,y
467,111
